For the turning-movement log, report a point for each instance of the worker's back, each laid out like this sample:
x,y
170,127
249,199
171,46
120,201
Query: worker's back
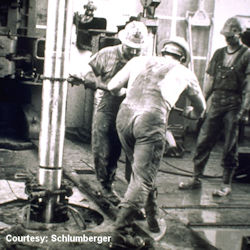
x,y
144,93
156,82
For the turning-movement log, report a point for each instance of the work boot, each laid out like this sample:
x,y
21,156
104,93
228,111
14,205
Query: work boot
x,y
124,218
139,215
111,196
126,240
123,236
227,181
223,191
195,183
107,192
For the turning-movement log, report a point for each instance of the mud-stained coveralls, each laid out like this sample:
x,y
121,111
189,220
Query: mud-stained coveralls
x,y
154,86
106,147
231,75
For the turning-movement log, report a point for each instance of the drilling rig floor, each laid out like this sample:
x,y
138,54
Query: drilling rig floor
x,y
188,219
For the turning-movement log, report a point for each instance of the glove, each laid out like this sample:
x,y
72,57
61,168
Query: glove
x,y
121,92
74,80
243,116
188,112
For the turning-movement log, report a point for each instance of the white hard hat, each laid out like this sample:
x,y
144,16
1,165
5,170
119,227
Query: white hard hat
x,y
134,35
169,45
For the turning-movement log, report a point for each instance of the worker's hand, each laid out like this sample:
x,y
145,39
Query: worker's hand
x,y
75,80
187,112
121,92
243,116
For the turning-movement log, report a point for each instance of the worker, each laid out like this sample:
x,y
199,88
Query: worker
x,y
229,87
106,147
154,86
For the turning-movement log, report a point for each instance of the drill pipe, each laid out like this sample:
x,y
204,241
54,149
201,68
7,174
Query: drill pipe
x,y
54,95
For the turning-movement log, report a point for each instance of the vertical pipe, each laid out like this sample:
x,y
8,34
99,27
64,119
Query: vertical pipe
x,y
174,19
54,95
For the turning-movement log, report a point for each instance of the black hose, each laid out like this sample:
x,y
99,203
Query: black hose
x,y
171,165
185,171
174,173
190,174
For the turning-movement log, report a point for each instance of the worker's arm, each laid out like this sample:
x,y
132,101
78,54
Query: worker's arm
x,y
245,106
208,86
198,102
89,80
90,77
197,108
211,72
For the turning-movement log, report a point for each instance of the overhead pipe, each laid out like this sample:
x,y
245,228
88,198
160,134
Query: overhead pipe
x,y
54,95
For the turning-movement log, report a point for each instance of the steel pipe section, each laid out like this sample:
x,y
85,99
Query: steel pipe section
x,y
54,95
51,179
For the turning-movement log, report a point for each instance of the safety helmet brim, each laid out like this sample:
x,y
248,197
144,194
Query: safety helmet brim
x,y
180,42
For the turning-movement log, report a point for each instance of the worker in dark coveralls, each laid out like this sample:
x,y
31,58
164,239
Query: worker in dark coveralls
x,y
154,86
229,88
106,147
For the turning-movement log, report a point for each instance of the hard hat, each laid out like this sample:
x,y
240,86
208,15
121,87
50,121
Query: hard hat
x,y
134,35
177,46
233,26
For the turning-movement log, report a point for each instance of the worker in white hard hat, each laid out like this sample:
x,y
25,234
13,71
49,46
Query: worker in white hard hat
x,y
106,147
154,86
228,84
181,51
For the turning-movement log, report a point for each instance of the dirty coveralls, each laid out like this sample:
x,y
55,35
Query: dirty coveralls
x,y
154,86
106,147
229,72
